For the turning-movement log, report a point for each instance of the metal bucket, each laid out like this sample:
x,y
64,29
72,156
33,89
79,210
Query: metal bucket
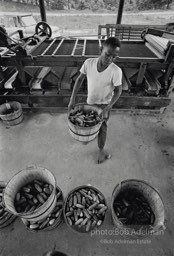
x,y
21,179
155,201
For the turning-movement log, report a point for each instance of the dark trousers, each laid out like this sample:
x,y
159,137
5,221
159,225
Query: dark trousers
x,y
103,131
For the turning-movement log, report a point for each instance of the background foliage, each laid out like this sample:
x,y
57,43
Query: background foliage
x,y
95,5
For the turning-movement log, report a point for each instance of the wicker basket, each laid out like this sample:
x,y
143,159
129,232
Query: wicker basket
x,y
76,228
84,134
11,113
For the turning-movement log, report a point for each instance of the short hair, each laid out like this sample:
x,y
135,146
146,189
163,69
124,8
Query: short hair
x,y
113,42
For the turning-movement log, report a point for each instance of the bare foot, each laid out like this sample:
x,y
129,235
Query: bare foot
x,y
85,142
102,156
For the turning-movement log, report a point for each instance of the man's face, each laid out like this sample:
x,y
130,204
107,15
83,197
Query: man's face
x,y
108,54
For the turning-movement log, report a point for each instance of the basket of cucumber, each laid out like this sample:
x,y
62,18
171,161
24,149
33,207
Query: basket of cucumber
x,y
84,122
84,209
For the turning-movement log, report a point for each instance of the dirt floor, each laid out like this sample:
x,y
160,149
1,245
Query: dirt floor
x,y
142,147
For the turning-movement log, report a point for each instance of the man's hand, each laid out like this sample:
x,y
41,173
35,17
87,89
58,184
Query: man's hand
x,y
105,114
77,85
71,105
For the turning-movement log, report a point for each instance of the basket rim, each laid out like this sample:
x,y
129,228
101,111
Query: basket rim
x,y
58,220
7,184
141,181
10,220
85,128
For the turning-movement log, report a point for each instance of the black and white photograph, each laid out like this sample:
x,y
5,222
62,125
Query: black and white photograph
x,y
86,127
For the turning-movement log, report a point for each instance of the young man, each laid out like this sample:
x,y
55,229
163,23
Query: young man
x,y
104,79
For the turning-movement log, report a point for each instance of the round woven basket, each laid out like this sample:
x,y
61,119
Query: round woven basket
x,y
76,228
21,179
11,113
84,134
155,201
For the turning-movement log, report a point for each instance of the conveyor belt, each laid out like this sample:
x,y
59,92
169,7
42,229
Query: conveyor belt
x,y
80,47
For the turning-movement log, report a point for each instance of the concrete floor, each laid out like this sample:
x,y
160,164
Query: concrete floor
x,y
142,147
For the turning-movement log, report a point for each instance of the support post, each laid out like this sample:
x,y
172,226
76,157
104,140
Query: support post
x,y
42,10
120,11
141,73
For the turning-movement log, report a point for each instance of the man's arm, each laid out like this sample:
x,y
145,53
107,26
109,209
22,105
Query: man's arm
x,y
115,97
77,85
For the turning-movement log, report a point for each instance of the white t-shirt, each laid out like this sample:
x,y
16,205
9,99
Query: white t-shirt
x,y
101,84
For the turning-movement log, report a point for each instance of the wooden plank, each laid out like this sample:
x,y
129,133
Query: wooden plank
x,y
168,74
99,42
37,81
53,54
141,73
134,27
75,45
74,61
153,88
8,83
127,79
84,48
99,31
22,76
63,100
114,111
170,53
171,87
49,47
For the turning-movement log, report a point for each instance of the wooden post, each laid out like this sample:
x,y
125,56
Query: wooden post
x,y
22,76
120,11
171,87
141,73
42,10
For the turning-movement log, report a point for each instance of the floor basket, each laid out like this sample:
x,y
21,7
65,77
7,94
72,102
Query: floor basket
x,y
67,208
11,113
21,179
155,202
